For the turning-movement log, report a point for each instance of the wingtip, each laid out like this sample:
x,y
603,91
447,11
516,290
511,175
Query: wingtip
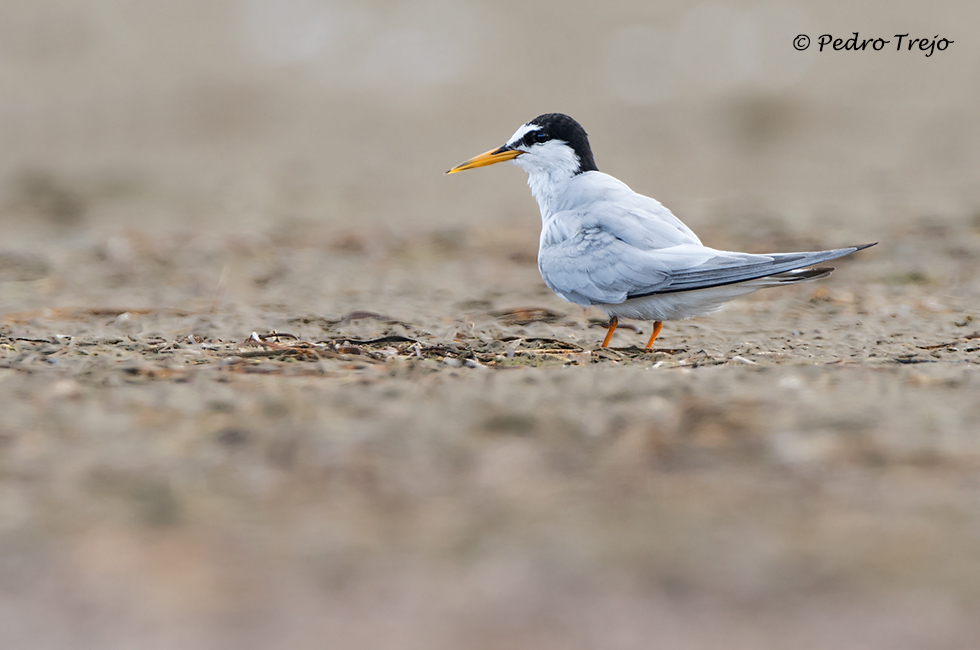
x,y
863,246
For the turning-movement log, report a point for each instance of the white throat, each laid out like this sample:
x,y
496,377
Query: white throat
x,y
549,166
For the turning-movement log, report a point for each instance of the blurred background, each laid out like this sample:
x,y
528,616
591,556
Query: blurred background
x,y
253,164
242,114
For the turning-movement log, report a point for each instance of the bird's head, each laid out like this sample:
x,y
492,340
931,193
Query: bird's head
x,y
553,144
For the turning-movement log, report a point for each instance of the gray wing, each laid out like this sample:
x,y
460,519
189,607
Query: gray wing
x,y
593,265
729,268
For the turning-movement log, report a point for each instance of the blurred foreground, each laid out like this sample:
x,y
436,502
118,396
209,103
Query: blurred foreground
x,y
466,469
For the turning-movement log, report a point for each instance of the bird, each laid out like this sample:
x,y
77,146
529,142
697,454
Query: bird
x,y
604,245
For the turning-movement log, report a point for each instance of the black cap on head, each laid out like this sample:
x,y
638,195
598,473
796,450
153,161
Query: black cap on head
x,y
558,126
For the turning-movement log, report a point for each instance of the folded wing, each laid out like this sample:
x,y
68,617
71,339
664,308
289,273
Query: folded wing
x,y
730,268
595,266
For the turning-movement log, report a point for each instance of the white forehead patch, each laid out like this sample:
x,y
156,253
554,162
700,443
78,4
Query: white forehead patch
x,y
521,132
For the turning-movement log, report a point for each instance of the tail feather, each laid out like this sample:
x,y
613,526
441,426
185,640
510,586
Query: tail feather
x,y
789,277
802,275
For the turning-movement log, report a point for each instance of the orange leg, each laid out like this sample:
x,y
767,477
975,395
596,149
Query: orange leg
x,y
653,337
613,322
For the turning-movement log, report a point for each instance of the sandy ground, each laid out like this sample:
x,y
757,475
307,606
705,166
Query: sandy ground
x,y
267,382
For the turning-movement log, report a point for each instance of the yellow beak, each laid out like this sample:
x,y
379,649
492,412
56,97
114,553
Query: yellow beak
x,y
489,158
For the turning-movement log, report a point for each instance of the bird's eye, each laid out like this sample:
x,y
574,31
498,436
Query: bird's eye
x,y
540,136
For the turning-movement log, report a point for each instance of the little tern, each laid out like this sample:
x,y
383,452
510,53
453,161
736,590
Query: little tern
x,y
606,246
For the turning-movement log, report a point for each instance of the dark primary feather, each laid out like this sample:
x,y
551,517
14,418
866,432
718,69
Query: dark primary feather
x,y
729,270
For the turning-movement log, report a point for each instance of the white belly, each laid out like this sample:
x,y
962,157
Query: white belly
x,y
680,305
